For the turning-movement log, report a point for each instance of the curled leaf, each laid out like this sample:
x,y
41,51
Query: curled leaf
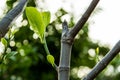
x,y
97,50
97,54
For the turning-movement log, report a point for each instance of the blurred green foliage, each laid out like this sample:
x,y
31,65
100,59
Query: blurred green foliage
x,y
30,62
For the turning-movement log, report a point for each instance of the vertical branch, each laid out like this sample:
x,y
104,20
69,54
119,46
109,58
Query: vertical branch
x,y
66,46
10,16
104,62
67,41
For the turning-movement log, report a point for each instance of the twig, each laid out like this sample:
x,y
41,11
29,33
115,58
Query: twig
x,y
83,19
104,62
10,16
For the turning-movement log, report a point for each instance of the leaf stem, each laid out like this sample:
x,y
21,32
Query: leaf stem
x,y
45,46
48,52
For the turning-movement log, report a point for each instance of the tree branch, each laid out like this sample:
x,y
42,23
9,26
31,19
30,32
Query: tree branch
x,y
83,19
10,16
65,55
104,62
67,41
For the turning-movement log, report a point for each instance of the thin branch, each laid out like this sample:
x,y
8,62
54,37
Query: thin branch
x,y
104,62
10,16
83,19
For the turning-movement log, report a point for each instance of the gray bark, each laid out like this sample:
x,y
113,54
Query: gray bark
x,y
104,62
66,46
67,41
10,16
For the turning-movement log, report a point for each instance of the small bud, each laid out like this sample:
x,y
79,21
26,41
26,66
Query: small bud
x,y
50,59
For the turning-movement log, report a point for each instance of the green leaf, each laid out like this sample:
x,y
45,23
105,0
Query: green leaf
x,y
38,21
11,54
46,18
50,59
4,41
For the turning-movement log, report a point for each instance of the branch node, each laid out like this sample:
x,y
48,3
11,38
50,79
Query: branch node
x,y
65,34
64,69
67,40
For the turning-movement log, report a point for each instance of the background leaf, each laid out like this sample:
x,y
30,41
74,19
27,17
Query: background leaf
x,y
97,50
97,54
8,55
4,41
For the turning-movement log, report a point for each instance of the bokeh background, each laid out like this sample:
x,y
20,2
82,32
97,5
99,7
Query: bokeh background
x,y
30,61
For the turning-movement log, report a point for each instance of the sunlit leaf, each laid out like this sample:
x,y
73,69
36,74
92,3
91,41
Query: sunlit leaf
x,y
45,17
38,21
50,59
